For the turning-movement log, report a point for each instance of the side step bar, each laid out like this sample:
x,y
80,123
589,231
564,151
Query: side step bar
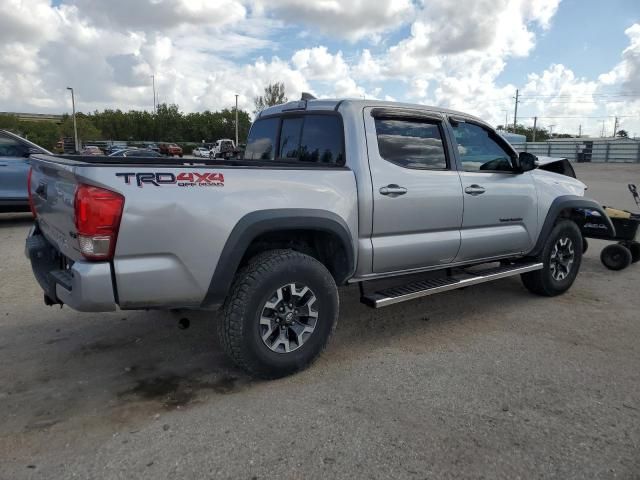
x,y
414,290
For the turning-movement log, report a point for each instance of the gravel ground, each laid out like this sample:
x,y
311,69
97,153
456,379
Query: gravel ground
x,y
488,382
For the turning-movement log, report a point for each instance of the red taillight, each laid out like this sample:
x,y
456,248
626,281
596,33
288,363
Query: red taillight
x,y
97,217
31,205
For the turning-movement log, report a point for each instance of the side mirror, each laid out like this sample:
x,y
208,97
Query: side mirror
x,y
527,162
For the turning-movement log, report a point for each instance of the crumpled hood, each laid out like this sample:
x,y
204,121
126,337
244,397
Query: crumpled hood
x,y
547,160
557,183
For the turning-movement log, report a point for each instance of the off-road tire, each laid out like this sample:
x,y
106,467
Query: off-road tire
x,y
616,256
239,327
542,282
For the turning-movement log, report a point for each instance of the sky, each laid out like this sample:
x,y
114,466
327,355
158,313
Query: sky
x,y
576,63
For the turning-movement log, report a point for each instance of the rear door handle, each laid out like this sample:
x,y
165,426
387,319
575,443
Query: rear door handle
x,y
474,190
393,190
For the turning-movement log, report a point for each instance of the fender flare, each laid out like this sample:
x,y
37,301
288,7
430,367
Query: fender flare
x,y
565,202
260,222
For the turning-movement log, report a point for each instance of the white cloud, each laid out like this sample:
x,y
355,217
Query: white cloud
x,y
318,64
351,19
203,52
153,15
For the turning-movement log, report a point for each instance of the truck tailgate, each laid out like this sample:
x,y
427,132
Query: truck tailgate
x,y
53,187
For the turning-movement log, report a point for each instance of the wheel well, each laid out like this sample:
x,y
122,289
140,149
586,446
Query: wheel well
x,y
324,246
573,214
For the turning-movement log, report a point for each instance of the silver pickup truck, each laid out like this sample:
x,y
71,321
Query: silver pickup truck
x,y
404,200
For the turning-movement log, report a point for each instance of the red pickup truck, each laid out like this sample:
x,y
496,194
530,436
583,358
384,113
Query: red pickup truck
x,y
170,150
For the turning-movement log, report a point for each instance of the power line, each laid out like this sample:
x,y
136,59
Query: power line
x,y
583,95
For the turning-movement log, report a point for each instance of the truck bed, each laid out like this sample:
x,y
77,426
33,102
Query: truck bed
x,y
96,160
180,214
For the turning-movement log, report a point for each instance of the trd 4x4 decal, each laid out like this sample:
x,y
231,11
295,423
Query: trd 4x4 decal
x,y
183,179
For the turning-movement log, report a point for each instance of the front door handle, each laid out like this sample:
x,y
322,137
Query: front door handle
x,y
393,190
474,190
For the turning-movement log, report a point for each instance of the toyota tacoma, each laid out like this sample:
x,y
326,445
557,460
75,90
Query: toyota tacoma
x,y
403,200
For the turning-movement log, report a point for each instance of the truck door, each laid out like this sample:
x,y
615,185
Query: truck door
x,y
417,194
500,204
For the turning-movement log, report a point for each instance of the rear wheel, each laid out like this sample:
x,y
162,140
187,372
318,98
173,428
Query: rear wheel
x,y
616,257
561,257
281,312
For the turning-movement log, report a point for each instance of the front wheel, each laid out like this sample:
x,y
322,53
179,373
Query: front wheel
x,y
561,257
280,314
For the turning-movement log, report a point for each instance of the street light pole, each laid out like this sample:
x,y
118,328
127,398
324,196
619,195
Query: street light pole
x,y
236,120
75,125
153,80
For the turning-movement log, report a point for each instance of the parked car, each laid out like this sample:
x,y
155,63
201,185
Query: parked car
x,y
15,162
135,152
170,150
91,150
115,147
404,200
200,152
223,148
152,146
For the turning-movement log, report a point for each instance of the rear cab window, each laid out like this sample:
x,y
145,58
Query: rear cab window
x,y
305,138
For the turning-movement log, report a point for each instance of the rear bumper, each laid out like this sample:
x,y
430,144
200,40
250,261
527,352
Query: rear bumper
x,y
84,286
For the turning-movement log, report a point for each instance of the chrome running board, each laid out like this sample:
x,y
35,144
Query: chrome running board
x,y
418,289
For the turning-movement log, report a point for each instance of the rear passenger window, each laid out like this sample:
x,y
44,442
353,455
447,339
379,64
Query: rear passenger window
x,y
308,138
411,143
262,140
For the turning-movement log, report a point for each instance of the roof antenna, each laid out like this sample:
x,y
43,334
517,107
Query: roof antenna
x,y
307,96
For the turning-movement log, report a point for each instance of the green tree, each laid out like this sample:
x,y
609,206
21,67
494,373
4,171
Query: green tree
x,y
45,134
274,94
9,122
542,134
622,134
87,131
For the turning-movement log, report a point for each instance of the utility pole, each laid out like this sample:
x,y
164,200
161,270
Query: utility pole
x,y
75,125
535,126
580,131
236,120
602,132
515,113
615,126
551,130
153,80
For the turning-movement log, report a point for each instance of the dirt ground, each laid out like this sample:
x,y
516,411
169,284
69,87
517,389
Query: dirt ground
x,y
488,382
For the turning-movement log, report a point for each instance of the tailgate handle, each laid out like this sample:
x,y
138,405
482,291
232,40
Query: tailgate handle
x,y
41,191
